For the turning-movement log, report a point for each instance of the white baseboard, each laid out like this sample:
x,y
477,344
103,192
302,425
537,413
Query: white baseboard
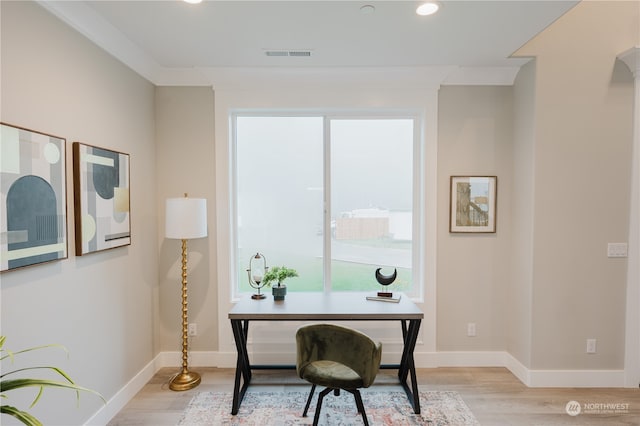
x,y
124,395
227,359
517,369
577,379
469,359
565,378
531,378
196,359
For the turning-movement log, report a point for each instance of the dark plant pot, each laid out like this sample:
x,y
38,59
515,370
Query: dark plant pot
x,y
279,292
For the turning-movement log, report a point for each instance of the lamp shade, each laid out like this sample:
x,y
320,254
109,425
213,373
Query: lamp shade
x,y
186,218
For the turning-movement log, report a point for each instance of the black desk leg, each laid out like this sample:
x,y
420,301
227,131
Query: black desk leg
x,y
407,363
243,367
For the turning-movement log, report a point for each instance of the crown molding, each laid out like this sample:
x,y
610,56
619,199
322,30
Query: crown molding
x,y
87,22
91,25
631,58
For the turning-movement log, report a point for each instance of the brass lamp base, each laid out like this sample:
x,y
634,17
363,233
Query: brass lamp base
x,y
185,381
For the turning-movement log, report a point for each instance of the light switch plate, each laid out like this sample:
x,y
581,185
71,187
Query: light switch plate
x,y
617,250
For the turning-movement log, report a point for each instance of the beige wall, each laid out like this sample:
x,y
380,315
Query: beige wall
x,y
520,286
186,158
559,141
474,138
100,306
581,168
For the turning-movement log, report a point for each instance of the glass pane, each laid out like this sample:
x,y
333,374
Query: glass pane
x,y
371,202
279,196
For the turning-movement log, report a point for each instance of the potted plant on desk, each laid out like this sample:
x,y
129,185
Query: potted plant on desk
x,y
278,274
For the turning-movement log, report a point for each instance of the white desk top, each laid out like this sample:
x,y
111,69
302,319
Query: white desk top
x,y
323,306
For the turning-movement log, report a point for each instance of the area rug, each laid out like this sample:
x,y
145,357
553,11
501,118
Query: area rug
x,y
439,408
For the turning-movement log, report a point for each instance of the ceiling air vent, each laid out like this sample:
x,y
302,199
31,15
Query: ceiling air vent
x,y
299,53
277,53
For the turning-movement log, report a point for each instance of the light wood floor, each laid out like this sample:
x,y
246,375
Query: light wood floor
x,y
494,395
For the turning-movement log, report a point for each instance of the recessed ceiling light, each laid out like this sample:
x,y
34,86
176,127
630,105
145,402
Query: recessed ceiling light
x,y
428,8
367,9
192,1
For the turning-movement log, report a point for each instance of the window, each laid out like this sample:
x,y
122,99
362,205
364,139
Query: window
x,y
332,197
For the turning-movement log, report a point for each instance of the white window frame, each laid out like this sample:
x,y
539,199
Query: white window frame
x,y
253,97
327,117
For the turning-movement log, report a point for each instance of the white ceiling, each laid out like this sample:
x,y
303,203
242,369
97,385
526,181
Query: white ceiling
x,y
158,38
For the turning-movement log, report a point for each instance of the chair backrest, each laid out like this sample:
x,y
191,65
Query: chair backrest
x,y
331,342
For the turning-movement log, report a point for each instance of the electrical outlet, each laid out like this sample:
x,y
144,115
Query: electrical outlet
x,y
193,329
471,329
591,346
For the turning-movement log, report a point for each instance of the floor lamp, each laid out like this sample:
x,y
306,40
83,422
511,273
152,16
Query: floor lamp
x,y
186,218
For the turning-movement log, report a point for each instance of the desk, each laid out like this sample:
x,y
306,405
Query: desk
x,y
337,306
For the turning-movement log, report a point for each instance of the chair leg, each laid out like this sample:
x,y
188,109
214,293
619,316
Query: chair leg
x,y
316,417
306,407
360,405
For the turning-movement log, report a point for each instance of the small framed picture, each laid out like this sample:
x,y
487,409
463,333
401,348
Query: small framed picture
x,y
101,189
473,204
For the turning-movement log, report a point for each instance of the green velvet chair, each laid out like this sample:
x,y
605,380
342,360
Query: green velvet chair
x,y
338,358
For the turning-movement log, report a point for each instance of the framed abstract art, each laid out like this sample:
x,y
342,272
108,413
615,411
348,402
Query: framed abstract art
x,y
33,216
101,198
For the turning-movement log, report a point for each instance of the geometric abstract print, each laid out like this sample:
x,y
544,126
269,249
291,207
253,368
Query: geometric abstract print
x,y
33,212
101,183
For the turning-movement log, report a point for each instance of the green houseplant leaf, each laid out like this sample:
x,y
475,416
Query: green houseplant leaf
x,y
278,274
23,416
9,384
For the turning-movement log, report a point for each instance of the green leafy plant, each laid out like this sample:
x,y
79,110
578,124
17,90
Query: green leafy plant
x,y
278,274
7,385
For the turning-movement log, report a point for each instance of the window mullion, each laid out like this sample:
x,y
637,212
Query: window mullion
x,y
327,204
